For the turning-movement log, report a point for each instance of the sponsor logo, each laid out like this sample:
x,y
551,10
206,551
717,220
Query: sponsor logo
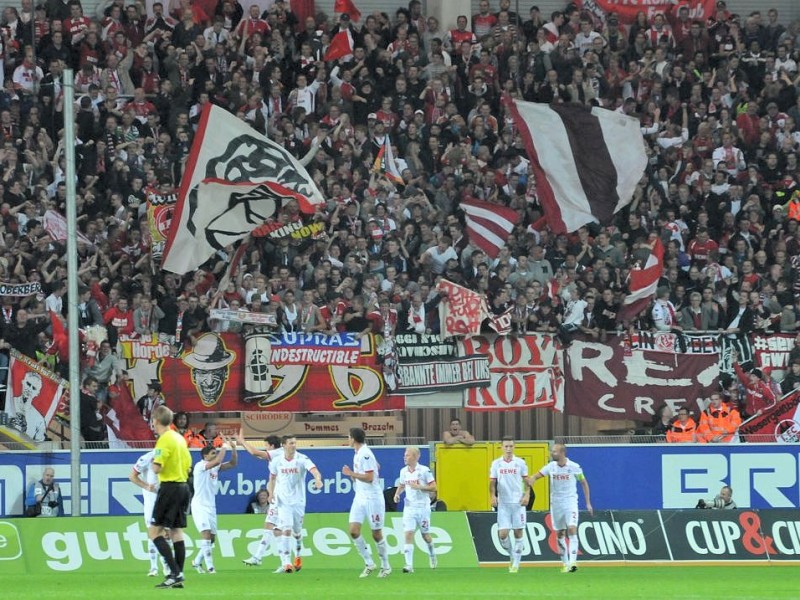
x,y
10,545
69,550
772,476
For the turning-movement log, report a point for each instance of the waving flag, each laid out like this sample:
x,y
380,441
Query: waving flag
x,y
586,163
462,311
347,7
235,180
341,45
489,225
384,163
643,283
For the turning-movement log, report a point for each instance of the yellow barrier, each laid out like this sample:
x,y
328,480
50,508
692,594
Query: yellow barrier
x,y
462,473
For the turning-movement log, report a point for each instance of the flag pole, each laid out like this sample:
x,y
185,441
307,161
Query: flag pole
x,y
72,295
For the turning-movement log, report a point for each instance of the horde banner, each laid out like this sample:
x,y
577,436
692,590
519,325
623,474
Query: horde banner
x,y
226,373
602,383
525,372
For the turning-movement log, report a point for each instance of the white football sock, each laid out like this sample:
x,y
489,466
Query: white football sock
x,y
153,552
364,550
562,543
516,555
573,549
264,544
207,548
285,546
408,553
383,552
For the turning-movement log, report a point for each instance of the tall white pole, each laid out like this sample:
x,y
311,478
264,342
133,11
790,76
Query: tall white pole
x,y
72,295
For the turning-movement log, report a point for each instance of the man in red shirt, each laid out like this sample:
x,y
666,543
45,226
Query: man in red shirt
x,y
700,248
119,321
459,35
253,24
140,105
759,396
76,25
483,22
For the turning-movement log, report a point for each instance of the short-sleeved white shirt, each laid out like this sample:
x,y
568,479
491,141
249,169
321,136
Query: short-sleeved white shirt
x,y
421,475
144,467
563,480
290,478
509,474
364,462
206,482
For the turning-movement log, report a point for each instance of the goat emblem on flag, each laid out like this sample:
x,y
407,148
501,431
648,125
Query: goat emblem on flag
x,y
236,180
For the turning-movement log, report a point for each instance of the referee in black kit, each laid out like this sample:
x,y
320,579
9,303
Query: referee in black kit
x,y
172,462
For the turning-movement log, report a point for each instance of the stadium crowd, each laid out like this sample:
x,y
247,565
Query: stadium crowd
x,y
717,99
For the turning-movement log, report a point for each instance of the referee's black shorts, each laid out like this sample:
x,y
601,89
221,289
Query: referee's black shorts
x,y
172,504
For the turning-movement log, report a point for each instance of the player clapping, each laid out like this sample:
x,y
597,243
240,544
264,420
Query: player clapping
x,y
417,482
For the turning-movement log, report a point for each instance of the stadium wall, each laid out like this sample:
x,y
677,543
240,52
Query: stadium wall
x,y
624,477
462,540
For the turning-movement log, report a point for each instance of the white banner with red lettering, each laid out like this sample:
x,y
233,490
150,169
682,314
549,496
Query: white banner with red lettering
x,y
525,372
462,311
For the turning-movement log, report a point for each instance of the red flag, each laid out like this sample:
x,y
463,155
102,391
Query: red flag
x,y
489,225
127,424
643,283
347,7
60,345
341,45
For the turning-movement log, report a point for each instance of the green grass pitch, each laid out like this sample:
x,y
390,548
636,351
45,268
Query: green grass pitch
x,y
732,582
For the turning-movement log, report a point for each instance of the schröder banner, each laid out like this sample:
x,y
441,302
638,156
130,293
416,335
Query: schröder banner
x,y
650,476
107,490
40,546
652,536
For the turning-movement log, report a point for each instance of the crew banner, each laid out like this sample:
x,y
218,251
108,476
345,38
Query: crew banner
x,y
603,382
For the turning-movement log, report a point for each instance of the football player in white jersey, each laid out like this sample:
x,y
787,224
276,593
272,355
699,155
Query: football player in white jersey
x,y
271,529
417,482
204,501
287,484
368,503
143,476
510,491
564,476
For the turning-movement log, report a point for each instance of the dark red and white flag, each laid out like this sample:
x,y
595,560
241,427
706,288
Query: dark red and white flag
x,y
643,283
489,225
586,163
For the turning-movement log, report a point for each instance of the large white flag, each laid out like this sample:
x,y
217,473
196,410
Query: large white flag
x,y
236,179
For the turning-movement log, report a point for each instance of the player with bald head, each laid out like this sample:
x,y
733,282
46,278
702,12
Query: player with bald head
x,y
417,482
564,476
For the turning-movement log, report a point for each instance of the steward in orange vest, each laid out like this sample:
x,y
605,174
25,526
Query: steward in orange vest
x,y
683,429
719,422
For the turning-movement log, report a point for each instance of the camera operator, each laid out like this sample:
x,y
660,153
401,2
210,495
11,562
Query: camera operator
x,y
44,497
722,501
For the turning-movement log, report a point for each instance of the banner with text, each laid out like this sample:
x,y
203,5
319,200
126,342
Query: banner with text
x,y
603,383
626,10
685,343
525,372
94,546
772,351
651,536
781,423
276,379
106,489
428,363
